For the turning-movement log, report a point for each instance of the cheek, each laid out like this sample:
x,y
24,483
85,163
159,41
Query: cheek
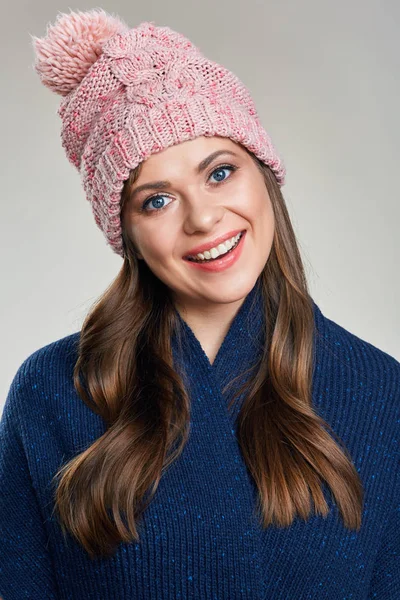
x,y
257,207
154,240
263,216
263,200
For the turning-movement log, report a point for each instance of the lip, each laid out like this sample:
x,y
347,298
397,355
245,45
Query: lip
x,y
213,243
221,263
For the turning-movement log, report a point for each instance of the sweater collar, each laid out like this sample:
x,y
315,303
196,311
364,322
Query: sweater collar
x,y
240,349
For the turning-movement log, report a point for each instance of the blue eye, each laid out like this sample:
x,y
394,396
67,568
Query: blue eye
x,y
159,197
223,168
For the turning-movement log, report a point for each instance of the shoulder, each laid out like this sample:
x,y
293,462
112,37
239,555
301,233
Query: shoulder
x,y
358,374
46,368
51,358
355,352
357,390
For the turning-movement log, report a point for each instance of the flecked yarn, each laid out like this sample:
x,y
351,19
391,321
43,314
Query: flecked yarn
x,y
199,537
128,93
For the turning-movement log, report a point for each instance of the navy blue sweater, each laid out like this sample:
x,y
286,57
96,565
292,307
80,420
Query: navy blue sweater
x,y
199,536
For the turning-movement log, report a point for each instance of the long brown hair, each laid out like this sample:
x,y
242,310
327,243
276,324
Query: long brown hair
x,y
124,372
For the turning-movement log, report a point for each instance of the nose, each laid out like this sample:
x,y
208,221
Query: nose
x,y
202,212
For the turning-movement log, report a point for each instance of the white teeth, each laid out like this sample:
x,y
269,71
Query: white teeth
x,y
219,250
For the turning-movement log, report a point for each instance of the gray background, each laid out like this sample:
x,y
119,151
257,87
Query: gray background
x,y
325,79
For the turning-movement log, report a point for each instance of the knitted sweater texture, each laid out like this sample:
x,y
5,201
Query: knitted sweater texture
x,y
200,537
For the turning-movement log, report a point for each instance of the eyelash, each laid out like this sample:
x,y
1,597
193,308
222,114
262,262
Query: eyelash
x,y
232,168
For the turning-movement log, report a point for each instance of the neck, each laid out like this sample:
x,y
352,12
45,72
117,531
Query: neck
x,y
210,323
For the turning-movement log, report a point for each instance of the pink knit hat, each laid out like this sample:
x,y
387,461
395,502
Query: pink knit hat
x,y
128,93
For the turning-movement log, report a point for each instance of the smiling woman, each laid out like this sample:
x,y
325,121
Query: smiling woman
x,y
197,215
208,433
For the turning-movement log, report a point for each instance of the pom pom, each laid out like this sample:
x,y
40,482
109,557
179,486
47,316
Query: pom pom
x,y
71,46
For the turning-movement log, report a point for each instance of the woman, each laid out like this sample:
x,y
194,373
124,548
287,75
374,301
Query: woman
x,y
208,433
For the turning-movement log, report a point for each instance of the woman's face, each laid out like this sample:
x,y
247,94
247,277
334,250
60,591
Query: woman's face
x,y
193,206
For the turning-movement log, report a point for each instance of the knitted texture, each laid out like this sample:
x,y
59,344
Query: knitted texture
x,y
199,538
129,93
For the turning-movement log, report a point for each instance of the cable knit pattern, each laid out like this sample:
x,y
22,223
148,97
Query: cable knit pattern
x,y
199,536
128,93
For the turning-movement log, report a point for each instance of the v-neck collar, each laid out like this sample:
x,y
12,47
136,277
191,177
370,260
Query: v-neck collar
x,y
240,349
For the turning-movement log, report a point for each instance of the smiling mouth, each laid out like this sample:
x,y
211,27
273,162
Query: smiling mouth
x,y
207,260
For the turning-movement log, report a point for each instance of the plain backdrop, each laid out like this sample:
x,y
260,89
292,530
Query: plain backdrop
x,y
325,78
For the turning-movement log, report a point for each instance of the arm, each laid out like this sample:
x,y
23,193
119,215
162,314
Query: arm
x,y
26,569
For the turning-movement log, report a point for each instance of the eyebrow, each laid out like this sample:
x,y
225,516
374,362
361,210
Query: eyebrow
x,y
158,185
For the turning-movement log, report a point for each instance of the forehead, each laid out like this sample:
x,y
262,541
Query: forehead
x,y
189,153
